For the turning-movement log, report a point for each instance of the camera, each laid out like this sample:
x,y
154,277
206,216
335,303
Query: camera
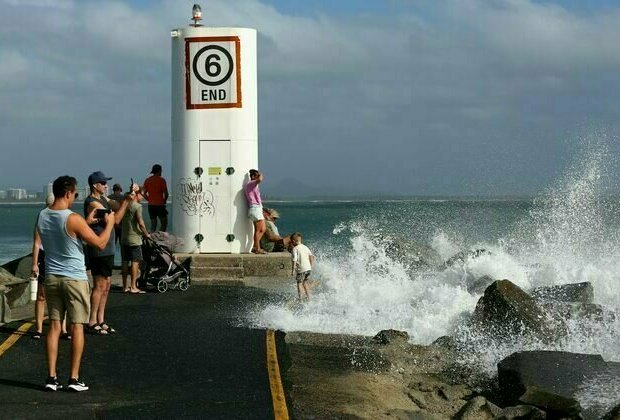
x,y
100,213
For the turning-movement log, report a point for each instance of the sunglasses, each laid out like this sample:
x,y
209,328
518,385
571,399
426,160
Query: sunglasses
x,y
103,182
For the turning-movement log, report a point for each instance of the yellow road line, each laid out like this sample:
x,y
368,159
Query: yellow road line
x,y
275,381
14,337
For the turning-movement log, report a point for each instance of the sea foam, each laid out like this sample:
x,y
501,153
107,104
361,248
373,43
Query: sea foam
x,y
569,235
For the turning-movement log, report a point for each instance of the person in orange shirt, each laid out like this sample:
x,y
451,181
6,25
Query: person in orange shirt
x,y
156,193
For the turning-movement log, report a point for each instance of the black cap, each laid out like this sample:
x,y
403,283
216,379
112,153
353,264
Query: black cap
x,y
96,177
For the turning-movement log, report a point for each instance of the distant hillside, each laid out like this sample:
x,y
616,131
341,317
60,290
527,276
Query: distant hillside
x,y
294,188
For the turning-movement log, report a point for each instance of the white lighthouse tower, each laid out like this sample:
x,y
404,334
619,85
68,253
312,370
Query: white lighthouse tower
x,y
214,135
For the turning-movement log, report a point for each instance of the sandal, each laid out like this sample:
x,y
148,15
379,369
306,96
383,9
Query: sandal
x,y
37,335
95,329
258,251
108,329
65,336
136,292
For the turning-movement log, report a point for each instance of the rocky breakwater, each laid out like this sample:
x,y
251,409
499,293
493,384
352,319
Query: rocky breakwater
x,y
347,376
15,289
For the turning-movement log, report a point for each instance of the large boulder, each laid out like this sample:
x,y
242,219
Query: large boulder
x,y
505,310
389,336
578,310
411,254
613,414
7,278
549,380
462,256
476,286
575,292
14,292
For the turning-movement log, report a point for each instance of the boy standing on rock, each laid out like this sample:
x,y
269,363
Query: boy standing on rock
x,y
303,260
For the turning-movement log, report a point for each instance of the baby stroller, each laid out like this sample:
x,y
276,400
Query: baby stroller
x,y
159,267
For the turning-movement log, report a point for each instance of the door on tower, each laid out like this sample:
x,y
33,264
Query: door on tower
x,y
216,221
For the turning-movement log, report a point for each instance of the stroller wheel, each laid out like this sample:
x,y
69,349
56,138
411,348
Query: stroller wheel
x,y
162,286
183,285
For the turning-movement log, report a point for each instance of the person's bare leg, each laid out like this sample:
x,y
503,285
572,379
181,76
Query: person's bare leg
x,y
63,327
124,274
95,298
51,342
134,276
39,308
306,289
77,348
259,230
104,300
300,291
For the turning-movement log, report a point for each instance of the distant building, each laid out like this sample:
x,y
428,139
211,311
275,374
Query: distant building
x,y
17,194
47,190
3,195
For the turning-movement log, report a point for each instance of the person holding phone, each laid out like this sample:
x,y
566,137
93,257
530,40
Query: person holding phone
x,y
134,230
101,261
61,233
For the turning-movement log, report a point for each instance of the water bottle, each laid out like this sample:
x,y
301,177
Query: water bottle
x,y
34,286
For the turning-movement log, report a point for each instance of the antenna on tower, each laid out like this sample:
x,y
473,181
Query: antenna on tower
x,y
196,14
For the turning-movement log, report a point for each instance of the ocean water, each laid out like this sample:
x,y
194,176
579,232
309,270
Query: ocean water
x,y
569,233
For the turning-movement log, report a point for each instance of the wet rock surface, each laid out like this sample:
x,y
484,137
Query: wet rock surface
x,y
413,254
461,257
548,379
346,376
505,310
575,292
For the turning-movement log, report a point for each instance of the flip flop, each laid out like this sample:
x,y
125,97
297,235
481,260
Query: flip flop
x,y
139,292
259,251
37,335
96,330
108,329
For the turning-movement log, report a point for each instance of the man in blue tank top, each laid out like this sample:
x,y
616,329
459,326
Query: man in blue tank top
x,y
61,233
100,262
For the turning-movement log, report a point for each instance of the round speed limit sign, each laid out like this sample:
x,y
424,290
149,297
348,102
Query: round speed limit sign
x,y
213,79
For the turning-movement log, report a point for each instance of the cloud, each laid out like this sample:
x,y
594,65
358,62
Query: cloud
x,y
434,97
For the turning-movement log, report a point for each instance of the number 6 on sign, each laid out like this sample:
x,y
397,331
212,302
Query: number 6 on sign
x,y
212,76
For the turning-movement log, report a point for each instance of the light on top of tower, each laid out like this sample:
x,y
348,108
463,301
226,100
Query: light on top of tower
x,y
196,14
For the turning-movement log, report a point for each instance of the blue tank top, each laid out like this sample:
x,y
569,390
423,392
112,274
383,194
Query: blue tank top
x,y
64,255
99,227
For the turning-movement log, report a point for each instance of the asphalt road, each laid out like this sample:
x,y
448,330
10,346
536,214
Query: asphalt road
x,y
177,354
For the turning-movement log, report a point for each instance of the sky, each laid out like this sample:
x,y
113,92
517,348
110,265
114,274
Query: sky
x,y
394,97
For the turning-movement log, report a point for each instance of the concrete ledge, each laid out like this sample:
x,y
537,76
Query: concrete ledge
x,y
227,268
